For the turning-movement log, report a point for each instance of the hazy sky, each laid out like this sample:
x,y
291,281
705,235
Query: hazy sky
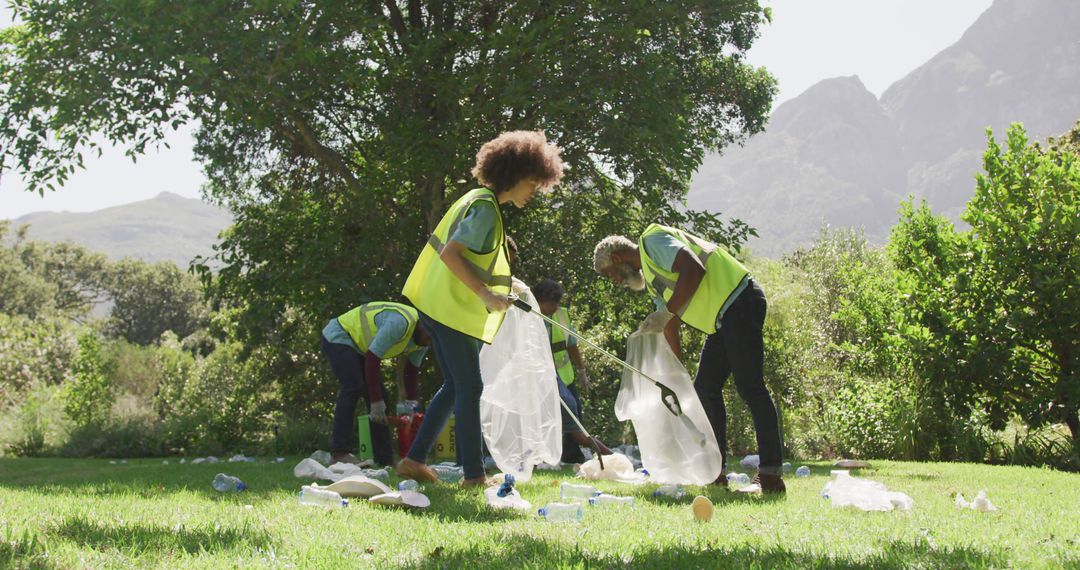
x,y
878,40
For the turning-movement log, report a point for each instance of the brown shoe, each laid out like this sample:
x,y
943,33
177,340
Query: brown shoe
x,y
410,469
765,483
481,481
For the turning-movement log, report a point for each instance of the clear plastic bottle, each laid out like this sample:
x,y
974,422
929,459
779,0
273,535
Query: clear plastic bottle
x,y
408,485
226,483
562,512
315,496
673,491
802,471
380,474
577,492
738,479
449,473
507,486
786,467
604,500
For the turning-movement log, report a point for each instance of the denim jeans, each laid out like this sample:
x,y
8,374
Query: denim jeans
x,y
737,347
459,360
348,366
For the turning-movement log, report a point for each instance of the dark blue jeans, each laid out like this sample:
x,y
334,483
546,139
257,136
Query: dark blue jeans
x,y
571,452
459,360
738,348
348,366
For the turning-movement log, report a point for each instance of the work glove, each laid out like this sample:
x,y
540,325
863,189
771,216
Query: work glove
x,y
655,322
518,286
377,412
582,377
495,302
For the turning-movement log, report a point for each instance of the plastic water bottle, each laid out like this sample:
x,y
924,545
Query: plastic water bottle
x,y
604,500
562,512
738,479
408,485
380,474
449,473
314,496
226,483
577,492
673,491
803,471
786,467
507,486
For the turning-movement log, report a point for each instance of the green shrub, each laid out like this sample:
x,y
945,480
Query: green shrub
x,y
33,351
89,396
36,425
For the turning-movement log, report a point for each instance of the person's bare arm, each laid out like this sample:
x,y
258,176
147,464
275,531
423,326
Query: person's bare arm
x,y
671,333
451,256
691,272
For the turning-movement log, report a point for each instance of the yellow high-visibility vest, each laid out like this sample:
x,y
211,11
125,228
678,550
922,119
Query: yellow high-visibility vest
x,y
360,324
436,291
724,278
559,351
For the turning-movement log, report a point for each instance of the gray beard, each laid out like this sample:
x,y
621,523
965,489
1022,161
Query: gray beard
x,y
632,278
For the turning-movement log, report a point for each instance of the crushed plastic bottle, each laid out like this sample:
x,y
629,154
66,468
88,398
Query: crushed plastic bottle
x,y
449,473
562,512
312,495
786,467
738,479
672,491
321,456
605,500
844,490
802,471
570,491
408,485
507,486
227,484
981,503
380,474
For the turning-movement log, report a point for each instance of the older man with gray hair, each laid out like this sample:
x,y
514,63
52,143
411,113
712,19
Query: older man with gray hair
x,y
696,282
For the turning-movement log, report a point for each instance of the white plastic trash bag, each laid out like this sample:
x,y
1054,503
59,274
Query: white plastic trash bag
x,y
310,469
844,491
519,409
674,449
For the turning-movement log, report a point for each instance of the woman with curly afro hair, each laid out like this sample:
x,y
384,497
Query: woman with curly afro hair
x,y
461,285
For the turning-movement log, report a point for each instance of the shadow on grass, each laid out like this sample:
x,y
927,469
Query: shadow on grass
x,y
139,538
25,551
526,551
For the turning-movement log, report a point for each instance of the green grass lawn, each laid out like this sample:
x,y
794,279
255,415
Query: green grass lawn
x,y
87,513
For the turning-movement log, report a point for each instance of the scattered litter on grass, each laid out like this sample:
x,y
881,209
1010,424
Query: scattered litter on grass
x,y
505,496
549,466
308,468
183,460
670,491
358,486
223,483
279,460
570,492
738,479
323,457
240,458
844,490
981,503
562,512
402,498
617,467
315,496
702,508
605,500
750,461
208,460
802,471
851,464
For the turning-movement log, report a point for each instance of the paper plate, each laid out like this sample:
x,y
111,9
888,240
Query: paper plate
x,y
358,486
402,498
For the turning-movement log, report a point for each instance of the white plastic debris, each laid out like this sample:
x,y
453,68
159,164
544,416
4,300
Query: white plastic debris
x,y
844,490
279,460
851,464
183,460
208,460
241,458
617,467
402,498
520,414
504,496
674,449
310,469
323,457
359,486
981,503
750,461
545,466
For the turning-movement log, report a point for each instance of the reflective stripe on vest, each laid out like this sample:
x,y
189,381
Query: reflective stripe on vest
x,y
724,278
559,351
360,324
436,291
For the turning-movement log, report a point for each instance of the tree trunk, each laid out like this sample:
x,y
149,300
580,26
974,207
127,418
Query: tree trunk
x,y
1073,421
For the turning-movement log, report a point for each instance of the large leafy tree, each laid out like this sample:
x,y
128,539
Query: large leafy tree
x,y
338,132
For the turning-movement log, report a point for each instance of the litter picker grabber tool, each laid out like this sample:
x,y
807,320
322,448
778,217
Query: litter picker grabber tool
x,y
595,445
667,396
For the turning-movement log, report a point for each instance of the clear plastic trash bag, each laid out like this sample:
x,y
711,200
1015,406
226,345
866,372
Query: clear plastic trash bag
x,y
674,449
519,410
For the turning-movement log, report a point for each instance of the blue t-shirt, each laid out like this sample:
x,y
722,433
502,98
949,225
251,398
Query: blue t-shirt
x,y
390,326
477,229
662,249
